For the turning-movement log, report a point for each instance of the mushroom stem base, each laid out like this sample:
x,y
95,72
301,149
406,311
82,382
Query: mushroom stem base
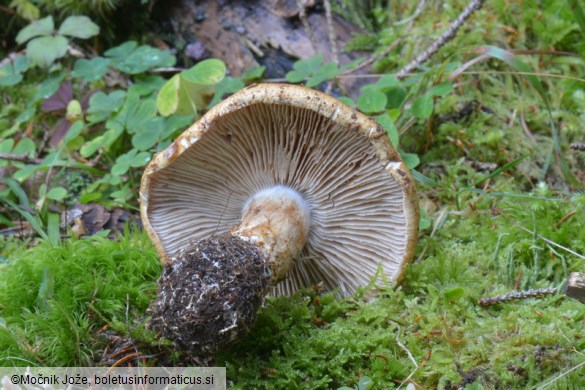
x,y
210,294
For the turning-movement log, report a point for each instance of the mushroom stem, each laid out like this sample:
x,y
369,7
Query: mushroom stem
x,y
210,294
277,220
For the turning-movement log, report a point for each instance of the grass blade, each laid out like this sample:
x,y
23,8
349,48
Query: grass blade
x,y
579,14
18,191
513,61
34,222
53,228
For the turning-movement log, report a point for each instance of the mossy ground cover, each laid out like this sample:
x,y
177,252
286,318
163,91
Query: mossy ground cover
x,y
431,329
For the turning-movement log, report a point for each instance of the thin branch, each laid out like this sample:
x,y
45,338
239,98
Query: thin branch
x,y
331,30
443,39
518,295
16,157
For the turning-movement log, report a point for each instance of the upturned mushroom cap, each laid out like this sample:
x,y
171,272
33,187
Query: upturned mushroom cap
x,y
360,195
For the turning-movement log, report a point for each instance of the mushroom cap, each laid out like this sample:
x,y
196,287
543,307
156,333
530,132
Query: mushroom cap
x,y
363,206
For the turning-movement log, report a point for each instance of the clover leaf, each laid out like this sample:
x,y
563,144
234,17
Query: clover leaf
x,y
45,45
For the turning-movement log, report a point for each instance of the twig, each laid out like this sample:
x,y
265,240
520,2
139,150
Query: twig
x,y
573,287
331,30
16,157
443,39
517,295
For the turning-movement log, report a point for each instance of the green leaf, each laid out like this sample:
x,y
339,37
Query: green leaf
x,y
139,114
387,81
45,50
89,198
43,26
175,123
410,159
25,146
303,69
6,145
167,100
148,134
8,80
18,191
47,286
57,193
192,97
123,163
422,107
90,147
33,220
372,100
79,27
295,76
454,294
328,71
133,60
49,86
386,122
74,131
102,105
111,136
309,65
424,221
24,173
396,97
91,70
253,74
140,160
122,50
146,84
206,72
442,89
347,101
226,86
11,73
26,9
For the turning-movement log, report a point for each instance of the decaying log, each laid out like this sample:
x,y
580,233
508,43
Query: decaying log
x,y
248,33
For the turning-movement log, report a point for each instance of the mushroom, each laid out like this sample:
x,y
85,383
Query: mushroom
x,y
275,188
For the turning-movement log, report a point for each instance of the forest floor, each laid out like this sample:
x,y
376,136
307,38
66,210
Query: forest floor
x,y
486,125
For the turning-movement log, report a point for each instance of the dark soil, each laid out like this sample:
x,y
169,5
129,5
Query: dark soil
x,y
209,296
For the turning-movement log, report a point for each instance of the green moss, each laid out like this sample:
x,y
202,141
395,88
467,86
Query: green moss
x,y
312,341
54,299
